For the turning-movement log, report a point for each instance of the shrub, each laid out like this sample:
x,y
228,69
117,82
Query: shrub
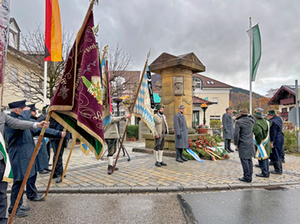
x,y
133,131
215,124
290,141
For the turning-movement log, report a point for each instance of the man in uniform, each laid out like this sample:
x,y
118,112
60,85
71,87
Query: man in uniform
x,y
261,131
243,141
181,134
227,129
20,147
111,136
277,140
59,169
161,130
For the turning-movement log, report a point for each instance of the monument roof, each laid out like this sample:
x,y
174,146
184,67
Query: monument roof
x,y
188,61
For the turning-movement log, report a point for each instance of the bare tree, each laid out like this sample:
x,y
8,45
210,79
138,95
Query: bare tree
x,y
30,77
120,62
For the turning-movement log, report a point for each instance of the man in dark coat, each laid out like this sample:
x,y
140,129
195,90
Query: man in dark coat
x,y
58,172
243,140
277,140
261,131
181,134
20,148
227,129
16,124
42,156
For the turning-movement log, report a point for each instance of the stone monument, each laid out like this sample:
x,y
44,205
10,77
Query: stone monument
x,y
176,88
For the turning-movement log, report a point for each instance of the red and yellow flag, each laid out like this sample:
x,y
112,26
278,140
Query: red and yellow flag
x,y
53,36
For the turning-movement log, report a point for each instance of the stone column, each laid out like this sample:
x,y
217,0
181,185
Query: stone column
x,y
177,85
172,100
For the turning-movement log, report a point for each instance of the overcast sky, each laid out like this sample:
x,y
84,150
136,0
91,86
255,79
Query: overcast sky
x,y
215,30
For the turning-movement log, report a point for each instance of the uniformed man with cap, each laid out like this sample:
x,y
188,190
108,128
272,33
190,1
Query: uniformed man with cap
x,y
181,134
227,129
277,140
20,148
161,130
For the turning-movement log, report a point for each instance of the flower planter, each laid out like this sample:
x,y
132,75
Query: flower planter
x,y
202,130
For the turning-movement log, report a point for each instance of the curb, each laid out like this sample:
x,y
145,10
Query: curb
x,y
159,189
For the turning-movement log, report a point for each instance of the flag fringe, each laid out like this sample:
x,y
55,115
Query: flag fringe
x,y
80,137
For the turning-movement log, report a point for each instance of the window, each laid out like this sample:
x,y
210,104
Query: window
x,y
27,85
284,110
13,74
198,82
214,100
12,39
215,117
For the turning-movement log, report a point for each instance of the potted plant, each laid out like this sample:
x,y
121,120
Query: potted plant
x,y
202,129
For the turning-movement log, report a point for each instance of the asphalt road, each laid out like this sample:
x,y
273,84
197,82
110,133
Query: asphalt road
x,y
243,207
97,208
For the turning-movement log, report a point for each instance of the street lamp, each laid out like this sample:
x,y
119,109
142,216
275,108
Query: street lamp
x,y
204,107
118,101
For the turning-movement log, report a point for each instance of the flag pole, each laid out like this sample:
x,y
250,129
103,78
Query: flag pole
x,y
131,111
45,83
71,150
54,164
36,149
250,70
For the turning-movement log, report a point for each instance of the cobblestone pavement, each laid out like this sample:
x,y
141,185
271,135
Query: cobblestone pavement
x,y
85,171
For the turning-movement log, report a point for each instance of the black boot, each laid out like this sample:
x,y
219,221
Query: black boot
x,y
277,167
181,156
178,158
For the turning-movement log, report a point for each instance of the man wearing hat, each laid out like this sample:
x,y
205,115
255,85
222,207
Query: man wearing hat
x,y
160,132
261,131
227,129
111,136
181,134
243,140
277,140
260,110
20,148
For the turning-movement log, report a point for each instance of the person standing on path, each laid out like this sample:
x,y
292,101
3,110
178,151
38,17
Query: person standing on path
x,y
261,131
59,169
227,123
8,121
111,136
278,113
20,147
161,131
243,140
181,134
277,140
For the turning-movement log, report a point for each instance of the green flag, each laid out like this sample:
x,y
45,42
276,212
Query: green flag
x,y
256,50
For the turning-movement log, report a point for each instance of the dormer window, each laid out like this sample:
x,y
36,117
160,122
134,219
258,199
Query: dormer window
x,y
14,34
198,82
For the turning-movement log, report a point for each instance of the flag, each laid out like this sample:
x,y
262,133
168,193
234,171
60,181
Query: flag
x,y
8,175
53,36
84,148
105,88
142,107
77,104
4,31
256,50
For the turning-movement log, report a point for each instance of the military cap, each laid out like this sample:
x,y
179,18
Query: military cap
x,y
32,107
17,104
159,106
181,107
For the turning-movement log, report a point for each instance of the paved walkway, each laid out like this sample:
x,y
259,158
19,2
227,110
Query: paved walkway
x,y
86,174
